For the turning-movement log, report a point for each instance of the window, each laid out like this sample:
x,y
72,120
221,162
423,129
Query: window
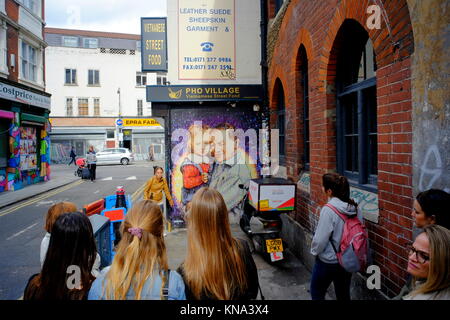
x,y
357,107
138,45
109,134
281,114
69,107
93,77
96,106
278,5
70,41
3,50
141,79
28,62
161,80
71,76
83,107
33,5
139,108
305,104
90,43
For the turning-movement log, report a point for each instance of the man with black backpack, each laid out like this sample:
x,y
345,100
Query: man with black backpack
x,y
340,241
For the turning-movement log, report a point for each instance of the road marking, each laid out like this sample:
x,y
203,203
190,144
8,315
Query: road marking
x,y
41,197
20,232
137,193
131,178
96,191
107,179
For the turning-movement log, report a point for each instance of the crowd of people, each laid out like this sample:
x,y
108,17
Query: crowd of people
x,y
218,266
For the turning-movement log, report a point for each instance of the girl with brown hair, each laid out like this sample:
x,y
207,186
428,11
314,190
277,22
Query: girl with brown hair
x,y
71,248
328,236
155,187
429,264
217,266
139,270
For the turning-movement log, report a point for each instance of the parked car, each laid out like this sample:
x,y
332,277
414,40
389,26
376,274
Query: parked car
x,y
115,156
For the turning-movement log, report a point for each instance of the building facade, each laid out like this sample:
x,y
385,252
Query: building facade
x,y
354,89
24,104
96,78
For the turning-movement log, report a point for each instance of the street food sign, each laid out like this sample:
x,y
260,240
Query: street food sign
x,y
206,40
154,44
204,93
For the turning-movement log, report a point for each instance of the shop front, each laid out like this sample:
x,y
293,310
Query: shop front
x,y
24,136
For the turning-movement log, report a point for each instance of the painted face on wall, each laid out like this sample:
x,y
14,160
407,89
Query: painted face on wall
x,y
224,145
420,218
418,257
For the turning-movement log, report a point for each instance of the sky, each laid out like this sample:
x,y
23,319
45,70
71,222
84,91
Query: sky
x,y
121,16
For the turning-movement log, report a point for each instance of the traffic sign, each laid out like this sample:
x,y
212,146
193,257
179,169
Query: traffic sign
x,y
119,122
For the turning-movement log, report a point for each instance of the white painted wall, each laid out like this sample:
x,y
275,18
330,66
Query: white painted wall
x,y
116,71
248,44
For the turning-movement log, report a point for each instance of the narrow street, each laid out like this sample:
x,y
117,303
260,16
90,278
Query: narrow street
x,y
21,232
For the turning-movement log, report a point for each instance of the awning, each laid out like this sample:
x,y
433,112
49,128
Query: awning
x,y
32,119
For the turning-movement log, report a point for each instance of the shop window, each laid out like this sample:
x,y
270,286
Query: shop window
x,y
28,62
305,106
70,41
357,107
96,107
141,79
109,134
69,107
71,76
83,107
140,112
4,138
93,77
161,80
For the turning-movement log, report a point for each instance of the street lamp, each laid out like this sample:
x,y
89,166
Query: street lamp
x,y
120,115
118,92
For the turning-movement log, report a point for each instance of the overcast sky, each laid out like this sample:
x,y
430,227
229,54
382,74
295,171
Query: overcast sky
x,y
102,15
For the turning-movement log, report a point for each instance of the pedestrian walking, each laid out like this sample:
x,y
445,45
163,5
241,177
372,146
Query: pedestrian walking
x,y
140,270
73,156
328,234
91,160
72,244
430,207
52,214
217,266
155,187
429,264
151,154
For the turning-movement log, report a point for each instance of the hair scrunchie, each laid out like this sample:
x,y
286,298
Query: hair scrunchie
x,y
136,232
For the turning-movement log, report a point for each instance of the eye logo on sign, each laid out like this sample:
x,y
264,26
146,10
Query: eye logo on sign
x,y
207,46
175,94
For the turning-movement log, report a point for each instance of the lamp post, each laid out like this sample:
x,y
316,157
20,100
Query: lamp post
x,y
119,129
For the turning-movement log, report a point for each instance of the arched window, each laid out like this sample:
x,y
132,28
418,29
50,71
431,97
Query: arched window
x,y
281,123
303,59
356,117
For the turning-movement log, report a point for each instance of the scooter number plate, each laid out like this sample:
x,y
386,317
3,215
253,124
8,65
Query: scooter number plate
x,y
274,245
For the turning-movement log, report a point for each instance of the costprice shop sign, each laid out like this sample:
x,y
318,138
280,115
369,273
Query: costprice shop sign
x,y
154,44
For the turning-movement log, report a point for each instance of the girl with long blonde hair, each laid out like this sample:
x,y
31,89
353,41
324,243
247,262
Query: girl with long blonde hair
x,y
429,264
217,266
139,269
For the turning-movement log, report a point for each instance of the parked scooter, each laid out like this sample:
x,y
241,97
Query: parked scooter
x,y
266,199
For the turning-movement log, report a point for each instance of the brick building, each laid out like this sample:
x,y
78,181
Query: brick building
x,y
24,104
368,101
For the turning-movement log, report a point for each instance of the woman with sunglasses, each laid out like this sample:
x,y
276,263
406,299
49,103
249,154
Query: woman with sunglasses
x,y
429,264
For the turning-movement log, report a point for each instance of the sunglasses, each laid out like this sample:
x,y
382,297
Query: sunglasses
x,y
422,257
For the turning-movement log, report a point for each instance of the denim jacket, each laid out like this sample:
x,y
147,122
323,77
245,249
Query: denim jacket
x,y
176,288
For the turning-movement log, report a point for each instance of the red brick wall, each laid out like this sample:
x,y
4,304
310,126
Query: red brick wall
x,y
12,42
315,25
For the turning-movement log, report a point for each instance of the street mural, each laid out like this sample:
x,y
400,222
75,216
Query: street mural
x,y
205,154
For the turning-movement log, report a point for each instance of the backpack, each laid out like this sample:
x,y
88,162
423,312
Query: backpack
x,y
352,254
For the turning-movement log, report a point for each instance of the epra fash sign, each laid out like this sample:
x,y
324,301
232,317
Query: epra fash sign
x,y
154,44
137,122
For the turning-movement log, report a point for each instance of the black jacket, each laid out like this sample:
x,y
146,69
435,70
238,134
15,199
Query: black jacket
x,y
252,278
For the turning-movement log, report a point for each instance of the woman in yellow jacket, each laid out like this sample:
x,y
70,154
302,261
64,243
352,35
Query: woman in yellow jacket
x,y
155,186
